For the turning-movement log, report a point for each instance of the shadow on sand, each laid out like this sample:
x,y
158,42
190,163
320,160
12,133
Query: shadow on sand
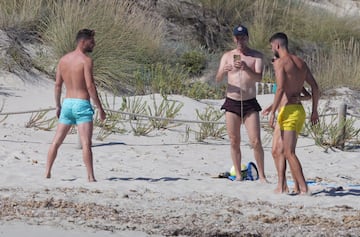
x,y
166,179
338,192
108,144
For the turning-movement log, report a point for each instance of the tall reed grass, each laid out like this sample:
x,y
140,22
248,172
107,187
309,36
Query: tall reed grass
x,y
20,13
126,36
330,47
329,43
130,38
337,66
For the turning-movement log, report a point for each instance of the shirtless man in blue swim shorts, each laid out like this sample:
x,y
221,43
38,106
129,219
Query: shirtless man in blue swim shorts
x,y
75,70
243,67
291,73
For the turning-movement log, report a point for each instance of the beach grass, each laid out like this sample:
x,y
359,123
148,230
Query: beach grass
x,y
330,47
126,37
131,41
337,66
20,13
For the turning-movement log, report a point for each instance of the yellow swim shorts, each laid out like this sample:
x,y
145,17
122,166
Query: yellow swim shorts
x,y
292,118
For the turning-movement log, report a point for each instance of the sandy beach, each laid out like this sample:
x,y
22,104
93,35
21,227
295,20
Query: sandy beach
x,y
161,184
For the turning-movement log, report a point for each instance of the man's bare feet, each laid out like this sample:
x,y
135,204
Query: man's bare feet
x,y
296,188
281,189
294,193
92,179
308,193
302,190
264,181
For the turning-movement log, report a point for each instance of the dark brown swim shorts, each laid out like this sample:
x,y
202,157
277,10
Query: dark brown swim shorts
x,y
234,106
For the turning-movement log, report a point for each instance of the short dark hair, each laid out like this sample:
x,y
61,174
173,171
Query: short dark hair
x,y
85,34
281,37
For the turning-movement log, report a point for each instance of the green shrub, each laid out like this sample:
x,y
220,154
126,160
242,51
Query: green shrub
x,y
210,127
140,125
202,90
194,62
40,121
328,132
114,122
160,78
164,112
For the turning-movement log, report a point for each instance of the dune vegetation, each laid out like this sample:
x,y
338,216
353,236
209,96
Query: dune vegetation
x,y
134,55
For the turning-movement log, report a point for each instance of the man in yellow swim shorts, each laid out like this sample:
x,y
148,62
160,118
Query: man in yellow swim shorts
x,y
291,118
291,73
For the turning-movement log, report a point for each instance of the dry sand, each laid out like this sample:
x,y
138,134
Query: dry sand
x,y
160,185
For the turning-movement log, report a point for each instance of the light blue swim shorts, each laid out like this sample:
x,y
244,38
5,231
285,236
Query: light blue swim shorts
x,y
76,111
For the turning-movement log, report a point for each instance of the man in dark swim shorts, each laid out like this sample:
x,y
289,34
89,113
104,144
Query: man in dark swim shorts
x,y
241,108
243,67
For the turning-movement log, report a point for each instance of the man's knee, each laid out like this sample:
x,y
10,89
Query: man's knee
x,y
289,153
56,144
256,144
276,152
234,140
86,143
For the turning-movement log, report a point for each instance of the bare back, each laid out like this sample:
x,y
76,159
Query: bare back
x,y
72,70
291,72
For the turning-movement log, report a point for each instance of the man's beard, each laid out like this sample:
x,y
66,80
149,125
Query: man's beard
x,y
276,54
88,50
241,47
